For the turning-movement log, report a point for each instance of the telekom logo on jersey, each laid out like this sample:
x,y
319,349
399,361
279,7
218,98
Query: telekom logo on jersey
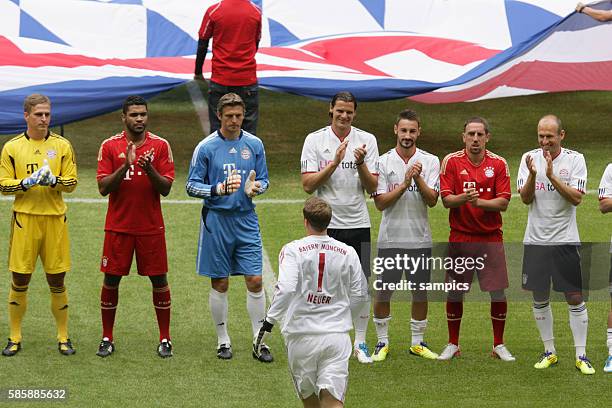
x,y
228,168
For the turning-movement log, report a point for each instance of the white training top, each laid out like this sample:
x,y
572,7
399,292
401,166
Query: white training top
x,y
605,186
343,190
405,224
319,281
552,218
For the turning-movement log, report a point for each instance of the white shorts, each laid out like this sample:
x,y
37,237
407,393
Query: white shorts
x,y
319,361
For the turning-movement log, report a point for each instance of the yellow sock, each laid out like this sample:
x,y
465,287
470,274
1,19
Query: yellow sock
x,y
18,303
59,308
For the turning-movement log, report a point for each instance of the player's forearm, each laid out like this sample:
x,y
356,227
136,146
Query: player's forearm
x,y
454,200
599,15
527,192
110,183
386,200
368,180
430,196
569,193
312,181
10,186
497,204
200,56
197,189
279,306
605,205
160,183
65,184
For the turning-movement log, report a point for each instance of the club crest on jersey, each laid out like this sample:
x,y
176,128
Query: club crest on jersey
x,y
245,154
51,154
489,172
564,173
233,150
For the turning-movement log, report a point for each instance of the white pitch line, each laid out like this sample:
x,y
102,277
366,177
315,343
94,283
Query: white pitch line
x,y
269,278
272,201
199,104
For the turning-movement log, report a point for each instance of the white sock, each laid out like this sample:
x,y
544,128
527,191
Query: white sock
x,y
609,341
361,324
417,327
544,321
382,329
579,323
217,302
256,306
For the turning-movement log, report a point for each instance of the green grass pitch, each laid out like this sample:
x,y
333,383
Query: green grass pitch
x,y
134,376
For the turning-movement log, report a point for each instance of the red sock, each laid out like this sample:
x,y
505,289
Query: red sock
x,y
162,303
454,312
498,318
109,298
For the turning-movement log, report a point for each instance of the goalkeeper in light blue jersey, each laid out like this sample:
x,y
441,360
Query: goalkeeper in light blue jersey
x,y
227,170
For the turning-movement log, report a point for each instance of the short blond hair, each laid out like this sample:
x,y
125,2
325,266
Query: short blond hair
x,y
35,99
318,213
230,99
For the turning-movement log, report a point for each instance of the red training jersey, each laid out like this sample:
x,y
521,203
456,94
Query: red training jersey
x,y
235,27
135,207
491,179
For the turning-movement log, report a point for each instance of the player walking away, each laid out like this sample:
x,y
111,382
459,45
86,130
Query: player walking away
x,y
599,15
605,205
37,167
475,185
551,181
227,170
408,183
235,28
340,178
135,167
320,284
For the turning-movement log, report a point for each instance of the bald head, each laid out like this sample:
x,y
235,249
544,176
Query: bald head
x,y
551,121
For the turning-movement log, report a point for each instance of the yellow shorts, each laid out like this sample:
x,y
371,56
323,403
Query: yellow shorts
x,y
44,235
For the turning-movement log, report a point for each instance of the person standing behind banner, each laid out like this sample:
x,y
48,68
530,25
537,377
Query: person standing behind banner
x,y
235,28
338,162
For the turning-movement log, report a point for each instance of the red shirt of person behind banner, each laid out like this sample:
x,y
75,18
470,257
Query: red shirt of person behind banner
x,y
235,27
491,179
135,207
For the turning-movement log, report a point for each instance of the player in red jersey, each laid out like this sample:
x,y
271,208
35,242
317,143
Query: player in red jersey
x,y
475,185
235,29
135,167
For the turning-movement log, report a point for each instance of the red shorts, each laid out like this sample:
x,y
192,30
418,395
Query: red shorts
x,y
119,250
483,254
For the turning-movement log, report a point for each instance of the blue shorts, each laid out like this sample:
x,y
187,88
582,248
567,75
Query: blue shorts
x,y
229,244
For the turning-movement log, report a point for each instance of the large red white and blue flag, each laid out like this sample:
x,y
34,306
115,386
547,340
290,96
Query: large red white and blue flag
x,y
88,55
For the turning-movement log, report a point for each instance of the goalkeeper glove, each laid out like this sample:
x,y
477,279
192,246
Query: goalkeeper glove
x,y
252,187
46,176
32,180
230,185
264,331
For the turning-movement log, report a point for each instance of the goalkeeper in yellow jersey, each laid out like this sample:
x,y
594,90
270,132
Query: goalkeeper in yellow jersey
x,y
36,167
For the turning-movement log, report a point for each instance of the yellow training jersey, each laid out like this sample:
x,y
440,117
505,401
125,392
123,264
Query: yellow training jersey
x,y
21,156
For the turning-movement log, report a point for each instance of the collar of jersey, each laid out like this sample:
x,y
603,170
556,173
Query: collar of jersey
x,y
226,139
25,133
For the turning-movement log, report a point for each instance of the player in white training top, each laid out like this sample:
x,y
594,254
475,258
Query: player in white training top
x,y
552,181
320,284
408,183
338,163
605,205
